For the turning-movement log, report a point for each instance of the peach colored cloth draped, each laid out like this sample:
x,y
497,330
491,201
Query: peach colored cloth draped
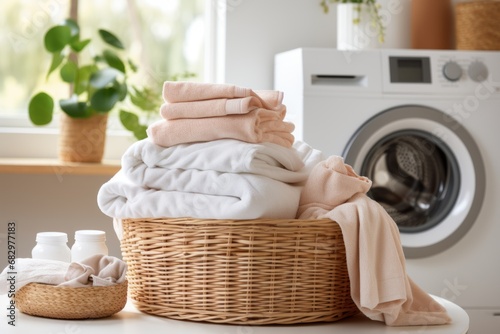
x,y
380,286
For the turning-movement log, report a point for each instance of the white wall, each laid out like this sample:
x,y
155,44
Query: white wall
x,y
51,202
258,29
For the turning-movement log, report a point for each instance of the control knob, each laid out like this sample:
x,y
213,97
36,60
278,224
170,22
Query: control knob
x,y
477,71
452,71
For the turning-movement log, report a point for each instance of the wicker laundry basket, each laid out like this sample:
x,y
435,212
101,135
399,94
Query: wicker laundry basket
x,y
238,271
50,301
477,25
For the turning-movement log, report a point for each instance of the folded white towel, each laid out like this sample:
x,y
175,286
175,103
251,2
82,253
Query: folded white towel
x,y
32,270
199,194
196,180
145,161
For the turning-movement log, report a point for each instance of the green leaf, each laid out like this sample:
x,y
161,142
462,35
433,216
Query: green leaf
x,y
74,108
83,77
129,120
122,90
142,100
98,58
57,38
111,39
132,65
113,60
103,77
57,60
73,26
77,45
41,108
182,76
69,71
140,132
104,99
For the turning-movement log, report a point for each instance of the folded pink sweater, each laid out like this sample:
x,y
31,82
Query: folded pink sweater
x,y
216,107
257,126
380,286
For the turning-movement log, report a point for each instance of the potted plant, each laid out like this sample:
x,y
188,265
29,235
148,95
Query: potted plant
x,y
95,89
359,23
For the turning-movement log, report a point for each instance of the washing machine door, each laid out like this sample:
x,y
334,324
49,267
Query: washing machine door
x,y
427,172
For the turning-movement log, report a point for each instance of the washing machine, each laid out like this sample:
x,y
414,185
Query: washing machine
x,y
424,126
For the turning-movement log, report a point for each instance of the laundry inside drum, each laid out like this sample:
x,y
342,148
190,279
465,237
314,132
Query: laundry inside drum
x,y
415,178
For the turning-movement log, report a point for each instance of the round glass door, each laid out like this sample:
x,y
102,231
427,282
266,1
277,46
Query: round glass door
x,y
426,172
415,178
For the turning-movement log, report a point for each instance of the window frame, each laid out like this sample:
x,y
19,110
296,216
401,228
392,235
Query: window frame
x,y
21,139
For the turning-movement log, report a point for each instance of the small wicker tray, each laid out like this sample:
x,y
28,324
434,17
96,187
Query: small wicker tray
x,y
238,271
50,301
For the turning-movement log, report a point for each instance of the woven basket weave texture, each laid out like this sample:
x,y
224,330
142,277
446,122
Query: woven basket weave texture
x,y
477,25
82,139
238,272
55,302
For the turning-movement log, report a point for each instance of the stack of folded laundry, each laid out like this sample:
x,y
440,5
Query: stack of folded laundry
x,y
196,112
221,152
224,152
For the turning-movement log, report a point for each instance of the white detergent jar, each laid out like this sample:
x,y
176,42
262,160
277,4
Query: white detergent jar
x,y
88,243
51,246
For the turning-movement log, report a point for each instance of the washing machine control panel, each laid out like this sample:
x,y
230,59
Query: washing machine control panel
x,y
476,71
440,71
404,69
409,69
464,69
399,72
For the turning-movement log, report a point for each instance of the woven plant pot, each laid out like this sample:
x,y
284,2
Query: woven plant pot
x,y
82,139
252,272
477,25
50,301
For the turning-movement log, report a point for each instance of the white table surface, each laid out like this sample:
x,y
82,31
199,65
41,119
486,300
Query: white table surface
x,y
132,321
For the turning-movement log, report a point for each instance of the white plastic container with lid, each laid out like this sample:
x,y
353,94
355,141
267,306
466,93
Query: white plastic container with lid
x,y
51,246
88,243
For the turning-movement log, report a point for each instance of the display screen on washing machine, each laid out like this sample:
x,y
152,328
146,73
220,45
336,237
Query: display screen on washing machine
x,y
410,69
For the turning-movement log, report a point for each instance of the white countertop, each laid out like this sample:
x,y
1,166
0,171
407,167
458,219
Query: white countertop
x,y
132,321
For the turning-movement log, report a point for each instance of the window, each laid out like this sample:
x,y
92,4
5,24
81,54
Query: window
x,y
164,38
